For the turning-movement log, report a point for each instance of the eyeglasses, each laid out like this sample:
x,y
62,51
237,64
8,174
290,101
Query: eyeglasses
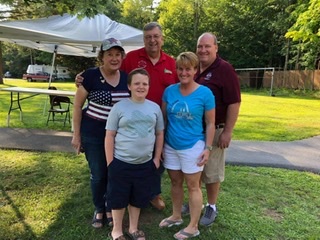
x,y
149,37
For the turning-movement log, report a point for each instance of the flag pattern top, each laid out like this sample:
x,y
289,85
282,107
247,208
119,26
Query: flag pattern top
x,y
101,102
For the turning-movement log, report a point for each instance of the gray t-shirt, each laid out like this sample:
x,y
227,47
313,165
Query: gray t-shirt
x,y
136,125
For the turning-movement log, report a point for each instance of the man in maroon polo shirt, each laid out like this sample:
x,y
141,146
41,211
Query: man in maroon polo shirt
x,y
218,75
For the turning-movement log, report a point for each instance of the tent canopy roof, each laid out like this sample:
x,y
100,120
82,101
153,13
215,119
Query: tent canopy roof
x,y
72,36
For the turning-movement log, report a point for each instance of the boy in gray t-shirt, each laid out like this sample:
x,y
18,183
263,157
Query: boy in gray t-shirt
x,y
133,144
135,125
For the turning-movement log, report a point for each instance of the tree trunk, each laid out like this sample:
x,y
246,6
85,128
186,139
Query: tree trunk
x,y
297,67
287,55
196,19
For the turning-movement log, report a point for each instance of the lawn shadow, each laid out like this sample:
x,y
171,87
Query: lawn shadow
x,y
27,230
74,222
74,216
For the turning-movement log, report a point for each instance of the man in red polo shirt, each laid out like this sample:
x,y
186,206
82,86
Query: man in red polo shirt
x,y
160,66
162,70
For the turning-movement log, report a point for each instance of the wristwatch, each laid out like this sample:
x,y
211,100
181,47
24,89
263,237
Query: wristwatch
x,y
209,147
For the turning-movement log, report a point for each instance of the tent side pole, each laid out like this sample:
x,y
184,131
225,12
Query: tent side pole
x,y
51,73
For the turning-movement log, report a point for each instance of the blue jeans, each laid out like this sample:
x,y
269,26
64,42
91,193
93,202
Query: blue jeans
x,y
95,155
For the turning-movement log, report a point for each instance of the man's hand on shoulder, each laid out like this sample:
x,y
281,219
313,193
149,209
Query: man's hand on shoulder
x,y
78,79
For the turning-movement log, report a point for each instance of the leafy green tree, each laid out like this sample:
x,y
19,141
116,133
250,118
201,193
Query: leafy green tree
x,y
16,58
305,33
177,17
76,64
250,32
137,13
22,9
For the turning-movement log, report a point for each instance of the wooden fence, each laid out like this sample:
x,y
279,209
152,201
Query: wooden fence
x,y
293,79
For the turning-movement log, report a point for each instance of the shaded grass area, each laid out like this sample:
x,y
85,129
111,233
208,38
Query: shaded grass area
x,y
47,196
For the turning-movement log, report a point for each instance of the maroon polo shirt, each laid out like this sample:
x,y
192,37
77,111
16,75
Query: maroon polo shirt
x,y
223,81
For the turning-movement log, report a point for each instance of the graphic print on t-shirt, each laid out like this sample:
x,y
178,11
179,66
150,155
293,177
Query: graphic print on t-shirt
x,y
139,123
181,110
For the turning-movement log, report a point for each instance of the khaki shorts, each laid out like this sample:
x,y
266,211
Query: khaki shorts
x,y
213,171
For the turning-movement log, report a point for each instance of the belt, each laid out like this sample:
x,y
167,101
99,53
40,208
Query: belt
x,y
221,125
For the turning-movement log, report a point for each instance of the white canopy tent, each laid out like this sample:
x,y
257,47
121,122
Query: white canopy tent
x,y
69,35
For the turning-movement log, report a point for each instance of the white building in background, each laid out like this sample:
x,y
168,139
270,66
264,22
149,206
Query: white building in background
x,y
59,71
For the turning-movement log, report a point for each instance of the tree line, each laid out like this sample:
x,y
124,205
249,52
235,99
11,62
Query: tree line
x,y
284,34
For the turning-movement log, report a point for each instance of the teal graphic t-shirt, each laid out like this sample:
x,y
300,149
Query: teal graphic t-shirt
x,y
185,115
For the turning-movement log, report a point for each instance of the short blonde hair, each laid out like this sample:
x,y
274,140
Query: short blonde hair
x,y
187,59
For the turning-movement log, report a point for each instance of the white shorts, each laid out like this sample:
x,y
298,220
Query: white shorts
x,y
184,160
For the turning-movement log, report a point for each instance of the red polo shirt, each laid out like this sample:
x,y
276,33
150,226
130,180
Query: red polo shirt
x,y
162,74
223,81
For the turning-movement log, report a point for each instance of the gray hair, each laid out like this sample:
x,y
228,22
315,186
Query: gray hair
x,y
152,25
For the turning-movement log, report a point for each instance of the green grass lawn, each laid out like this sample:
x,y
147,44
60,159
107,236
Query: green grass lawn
x,y
286,117
34,110
47,195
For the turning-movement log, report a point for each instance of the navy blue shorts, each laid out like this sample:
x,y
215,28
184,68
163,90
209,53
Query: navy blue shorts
x,y
129,184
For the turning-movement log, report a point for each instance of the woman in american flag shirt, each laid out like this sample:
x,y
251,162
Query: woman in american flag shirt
x,y
102,87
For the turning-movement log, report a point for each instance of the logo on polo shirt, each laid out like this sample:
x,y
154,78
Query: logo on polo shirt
x,y
167,71
142,64
208,76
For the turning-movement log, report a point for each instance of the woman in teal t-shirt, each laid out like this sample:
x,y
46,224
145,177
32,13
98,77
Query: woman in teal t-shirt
x,y
186,107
